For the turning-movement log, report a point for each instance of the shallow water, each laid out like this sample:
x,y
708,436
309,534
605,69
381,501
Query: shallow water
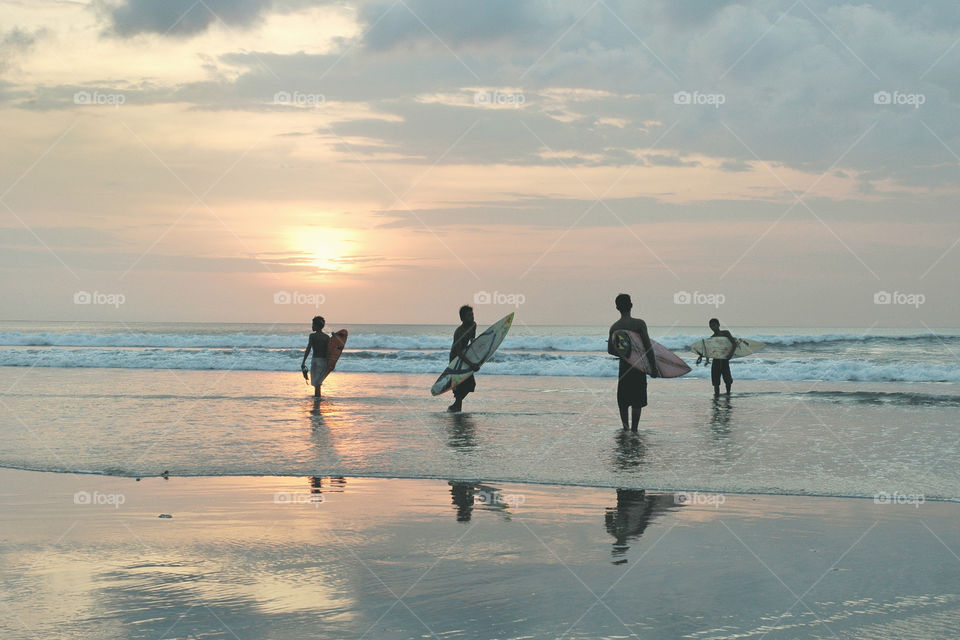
x,y
768,437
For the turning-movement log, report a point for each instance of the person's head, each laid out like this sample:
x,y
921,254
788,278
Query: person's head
x,y
466,313
318,323
623,302
714,324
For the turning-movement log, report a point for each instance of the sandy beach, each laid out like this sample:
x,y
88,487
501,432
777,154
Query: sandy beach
x,y
266,557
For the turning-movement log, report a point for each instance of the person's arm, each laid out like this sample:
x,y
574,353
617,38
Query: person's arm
x,y
733,341
610,348
303,363
648,350
461,345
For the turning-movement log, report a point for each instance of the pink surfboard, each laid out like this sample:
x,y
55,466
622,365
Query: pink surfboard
x,y
629,346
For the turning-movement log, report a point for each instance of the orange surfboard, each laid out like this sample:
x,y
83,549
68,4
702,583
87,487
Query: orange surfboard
x,y
337,342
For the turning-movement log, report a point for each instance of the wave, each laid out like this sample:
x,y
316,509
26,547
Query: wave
x,y
888,397
503,363
570,343
347,473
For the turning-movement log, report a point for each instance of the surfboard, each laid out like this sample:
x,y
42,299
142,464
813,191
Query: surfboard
x,y
719,347
479,352
334,348
629,346
337,342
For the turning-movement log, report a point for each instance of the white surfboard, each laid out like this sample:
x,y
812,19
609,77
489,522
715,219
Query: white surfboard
x,y
479,352
719,347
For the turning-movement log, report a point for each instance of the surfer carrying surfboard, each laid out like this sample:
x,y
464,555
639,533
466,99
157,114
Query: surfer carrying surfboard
x,y
632,386
319,344
721,366
462,337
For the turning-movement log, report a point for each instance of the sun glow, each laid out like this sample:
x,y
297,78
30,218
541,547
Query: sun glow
x,y
324,248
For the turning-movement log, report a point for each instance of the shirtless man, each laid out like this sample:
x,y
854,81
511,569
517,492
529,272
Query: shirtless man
x,y
632,386
318,343
462,337
721,367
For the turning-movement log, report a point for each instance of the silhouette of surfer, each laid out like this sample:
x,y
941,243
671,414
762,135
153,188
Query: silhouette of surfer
x,y
632,386
463,336
630,518
461,493
630,451
721,366
462,433
318,343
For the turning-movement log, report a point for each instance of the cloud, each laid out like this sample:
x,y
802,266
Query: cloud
x,y
186,18
798,87
16,42
451,23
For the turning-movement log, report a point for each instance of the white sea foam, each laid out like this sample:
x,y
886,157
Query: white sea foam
x,y
511,363
569,343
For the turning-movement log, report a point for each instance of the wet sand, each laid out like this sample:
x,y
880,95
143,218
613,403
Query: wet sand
x,y
292,557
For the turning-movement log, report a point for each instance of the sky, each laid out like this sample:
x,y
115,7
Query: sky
x,y
385,161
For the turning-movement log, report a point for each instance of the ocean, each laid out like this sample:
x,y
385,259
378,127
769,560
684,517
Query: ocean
x,y
829,355
831,411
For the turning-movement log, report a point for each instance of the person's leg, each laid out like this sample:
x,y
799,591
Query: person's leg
x,y
316,391
635,422
715,368
623,404
727,377
459,393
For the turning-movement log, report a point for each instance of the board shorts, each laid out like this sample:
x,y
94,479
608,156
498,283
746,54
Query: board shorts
x,y
467,386
720,369
632,389
318,371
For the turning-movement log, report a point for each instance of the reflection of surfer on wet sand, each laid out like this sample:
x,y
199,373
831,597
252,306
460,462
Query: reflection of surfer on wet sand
x,y
722,411
629,519
630,451
462,432
466,495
